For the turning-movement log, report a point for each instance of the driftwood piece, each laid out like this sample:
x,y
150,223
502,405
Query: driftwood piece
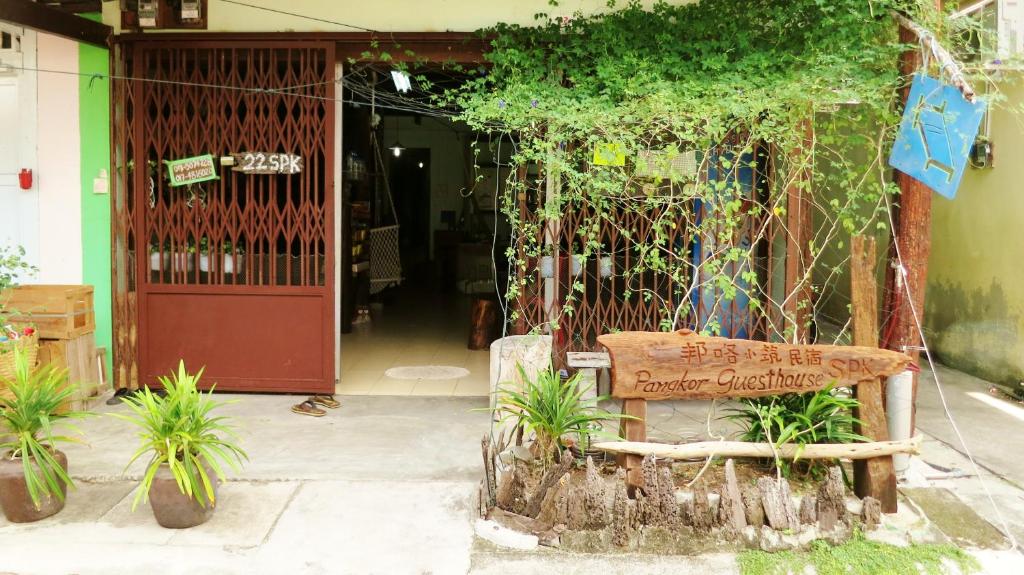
x,y
595,502
779,511
704,449
649,472
554,508
808,509
871,512
730,505
551,476
621,520
489,478
752,507
667,498
512,488
546,535
700,509
648,509
831,501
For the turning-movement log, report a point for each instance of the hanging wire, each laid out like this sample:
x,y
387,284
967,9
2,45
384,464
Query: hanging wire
x,y
902,276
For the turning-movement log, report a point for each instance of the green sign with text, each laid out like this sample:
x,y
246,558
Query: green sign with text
x,y
191,170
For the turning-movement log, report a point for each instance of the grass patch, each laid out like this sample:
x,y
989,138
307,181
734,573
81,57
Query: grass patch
x,y
859,557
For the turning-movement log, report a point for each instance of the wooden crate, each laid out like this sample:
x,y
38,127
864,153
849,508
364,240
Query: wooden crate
x,y
79,357
56,311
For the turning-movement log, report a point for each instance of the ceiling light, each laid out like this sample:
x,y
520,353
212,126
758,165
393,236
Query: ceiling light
x,y
401,80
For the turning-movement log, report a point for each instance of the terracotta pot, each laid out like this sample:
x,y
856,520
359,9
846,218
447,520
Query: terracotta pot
x,y
172,508
14,497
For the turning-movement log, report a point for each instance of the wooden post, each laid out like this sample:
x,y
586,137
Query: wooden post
x,y
799,228
913,238
635,430
871,477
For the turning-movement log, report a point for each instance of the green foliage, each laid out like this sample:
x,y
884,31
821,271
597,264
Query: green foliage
x,y
551,409
12,264
28,418
807,87
824,416
179,430
859,557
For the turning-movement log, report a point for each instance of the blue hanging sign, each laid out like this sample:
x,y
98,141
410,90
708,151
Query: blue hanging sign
x,y
936,134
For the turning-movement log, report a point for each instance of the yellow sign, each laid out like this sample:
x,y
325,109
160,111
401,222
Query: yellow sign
x,y
610,154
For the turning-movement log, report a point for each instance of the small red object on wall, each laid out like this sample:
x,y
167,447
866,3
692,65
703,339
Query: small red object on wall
x,y
25,179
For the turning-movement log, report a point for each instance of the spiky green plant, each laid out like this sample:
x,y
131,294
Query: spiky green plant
x,y
824,416
177,429
551,408
28,416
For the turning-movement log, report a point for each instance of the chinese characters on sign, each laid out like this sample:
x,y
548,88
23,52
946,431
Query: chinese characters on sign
x,y
191,170
684,365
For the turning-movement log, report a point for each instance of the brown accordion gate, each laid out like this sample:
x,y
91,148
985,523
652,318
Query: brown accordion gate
x,y
235,274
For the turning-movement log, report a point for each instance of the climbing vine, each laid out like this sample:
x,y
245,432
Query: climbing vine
x,y
763,99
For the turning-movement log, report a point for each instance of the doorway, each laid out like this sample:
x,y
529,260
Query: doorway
x,y
410,337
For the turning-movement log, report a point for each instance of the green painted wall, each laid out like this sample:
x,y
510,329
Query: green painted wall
x,y
975,299
94,118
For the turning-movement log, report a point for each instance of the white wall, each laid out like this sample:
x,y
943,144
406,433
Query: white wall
x,y
19,209
447,161
384,15
58,179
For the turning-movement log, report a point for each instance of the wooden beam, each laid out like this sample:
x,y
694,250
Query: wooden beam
x,y
912,240
705,449
52,21
875,477
635,431
799,230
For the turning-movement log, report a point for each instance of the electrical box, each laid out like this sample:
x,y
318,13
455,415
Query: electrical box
x,y
994,32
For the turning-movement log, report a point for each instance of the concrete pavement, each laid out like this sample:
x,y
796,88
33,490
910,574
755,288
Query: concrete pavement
x,y
388,485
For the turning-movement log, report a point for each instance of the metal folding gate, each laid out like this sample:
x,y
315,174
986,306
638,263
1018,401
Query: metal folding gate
x,y
234,274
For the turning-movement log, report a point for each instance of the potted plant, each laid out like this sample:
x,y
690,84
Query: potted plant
x,y
23,338
554,410
33,473
187,446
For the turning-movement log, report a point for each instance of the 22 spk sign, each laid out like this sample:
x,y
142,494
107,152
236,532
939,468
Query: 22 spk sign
x,y
267,163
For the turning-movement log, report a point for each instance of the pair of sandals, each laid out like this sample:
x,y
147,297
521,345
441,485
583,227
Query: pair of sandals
x,y
309,407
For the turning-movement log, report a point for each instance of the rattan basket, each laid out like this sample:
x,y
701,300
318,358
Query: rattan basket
x,y
29,345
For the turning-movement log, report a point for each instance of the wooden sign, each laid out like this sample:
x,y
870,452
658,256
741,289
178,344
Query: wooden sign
x,y
684,365
191,170
267,163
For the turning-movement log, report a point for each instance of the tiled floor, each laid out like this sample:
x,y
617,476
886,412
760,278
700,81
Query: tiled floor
x,y
413,329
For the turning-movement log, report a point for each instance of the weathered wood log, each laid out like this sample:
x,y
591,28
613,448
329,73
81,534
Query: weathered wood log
x,y
512,488
704,449
876,476
752,507
546,535
621,520
554,508
871,512
595,502
808,509
667,498
831,501
649,472
550,477
777,501
730,505
701,518
489,479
